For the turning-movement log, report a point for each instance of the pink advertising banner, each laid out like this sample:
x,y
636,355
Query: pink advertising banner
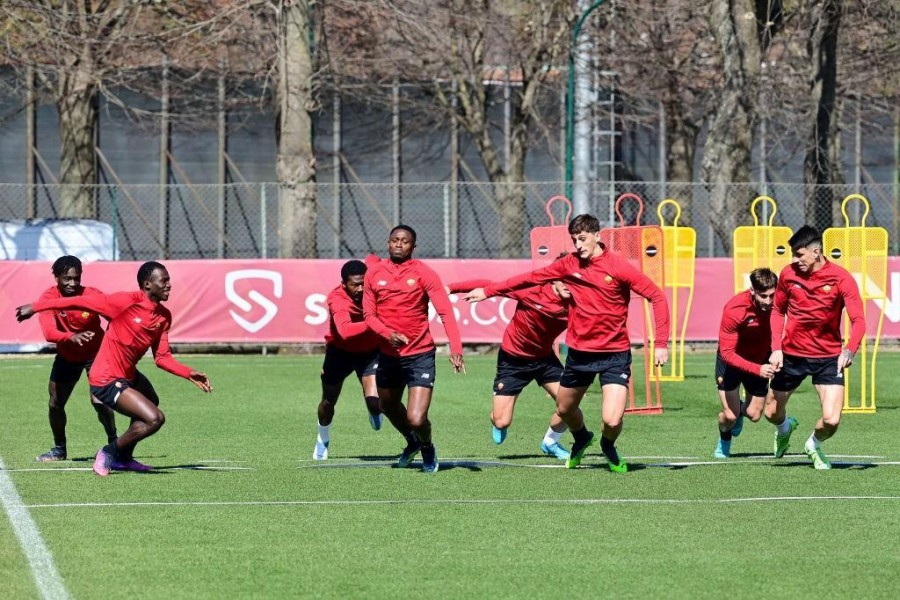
x,y
283,301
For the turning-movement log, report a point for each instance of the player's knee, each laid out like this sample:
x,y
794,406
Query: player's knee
x,y
612,422
157,421
832,421
754,414
501,421
417,419
55,403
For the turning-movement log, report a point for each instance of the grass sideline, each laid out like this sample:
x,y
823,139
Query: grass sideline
x,y
236,508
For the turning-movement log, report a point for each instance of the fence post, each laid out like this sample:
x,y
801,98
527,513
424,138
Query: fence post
x,y
447,234
114,200
263,225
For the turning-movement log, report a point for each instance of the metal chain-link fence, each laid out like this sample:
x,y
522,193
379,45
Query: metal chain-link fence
x,y
462,220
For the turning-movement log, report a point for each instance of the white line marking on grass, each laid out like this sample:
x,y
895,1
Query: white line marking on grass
x,y
462,501
178,468
47,578
477,463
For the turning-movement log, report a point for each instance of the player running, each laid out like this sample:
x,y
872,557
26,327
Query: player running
x,y
745,343
527,355
77,335
349,346
395,304
806,339
137,322
597,335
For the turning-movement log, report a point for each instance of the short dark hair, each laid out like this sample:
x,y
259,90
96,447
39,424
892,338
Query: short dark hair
x,y
584,224
763,279
64,263
146,271
351,268
805,237
411,231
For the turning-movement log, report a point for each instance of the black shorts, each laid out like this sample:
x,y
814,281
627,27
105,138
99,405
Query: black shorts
x,y
581,367
64,371
515,372
728,378
109,394
339,364
795,369
416,370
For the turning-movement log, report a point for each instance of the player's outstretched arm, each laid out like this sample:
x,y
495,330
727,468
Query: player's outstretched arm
x,y
24,312
200,380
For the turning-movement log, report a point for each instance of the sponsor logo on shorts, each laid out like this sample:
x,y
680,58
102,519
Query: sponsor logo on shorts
x,y
500,386
426,376
623,375
719,380
118,384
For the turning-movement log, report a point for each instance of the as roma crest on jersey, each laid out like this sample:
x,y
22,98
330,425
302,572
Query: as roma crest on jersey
x,y
85,315
608,279
826,288
410,282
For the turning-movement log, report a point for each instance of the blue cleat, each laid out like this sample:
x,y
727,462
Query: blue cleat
x,y
498,434
375,421
429,459
409,453
723,449
556,450
738,426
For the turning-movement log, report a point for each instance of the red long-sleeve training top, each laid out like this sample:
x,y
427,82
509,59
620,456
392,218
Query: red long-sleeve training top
x,y
813,304
745,335
395,298
539,318
598,309
136,324
347,328
59,326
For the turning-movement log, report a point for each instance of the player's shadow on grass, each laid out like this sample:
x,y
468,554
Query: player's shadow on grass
x,y
835,465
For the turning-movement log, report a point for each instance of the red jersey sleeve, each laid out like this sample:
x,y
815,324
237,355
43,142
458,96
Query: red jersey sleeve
x,y
556,270
854,306
779,310
370,313
108,305
49,328
458,287
343,323
441,302
162,355
642,284
728,341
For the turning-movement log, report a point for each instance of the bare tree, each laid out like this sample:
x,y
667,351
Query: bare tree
x,y
296,166
742,34
452,47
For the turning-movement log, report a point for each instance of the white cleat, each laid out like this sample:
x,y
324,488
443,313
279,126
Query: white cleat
x,y
320,452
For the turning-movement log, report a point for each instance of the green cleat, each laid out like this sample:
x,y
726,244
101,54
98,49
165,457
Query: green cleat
x,y
818,458
616,464
783,441
577,452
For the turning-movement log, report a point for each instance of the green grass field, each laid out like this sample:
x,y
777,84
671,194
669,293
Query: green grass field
x,y
237,508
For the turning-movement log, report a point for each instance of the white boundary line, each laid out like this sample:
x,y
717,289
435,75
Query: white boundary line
x,y
462,501
49,583
69,469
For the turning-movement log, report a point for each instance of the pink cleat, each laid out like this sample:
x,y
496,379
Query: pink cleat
x,y
130,465
102,463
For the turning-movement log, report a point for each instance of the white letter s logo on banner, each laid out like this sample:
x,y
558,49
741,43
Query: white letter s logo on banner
x,y
270,307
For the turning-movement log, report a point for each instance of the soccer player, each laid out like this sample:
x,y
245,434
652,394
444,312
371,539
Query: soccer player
x,y
77,335
806,339
396,293
527,355
137,322
745,343
597,335
349,346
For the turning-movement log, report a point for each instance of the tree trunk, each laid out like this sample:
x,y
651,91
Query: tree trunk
x,y
509,190
296,163
77,122
681,141
726,154
819,168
